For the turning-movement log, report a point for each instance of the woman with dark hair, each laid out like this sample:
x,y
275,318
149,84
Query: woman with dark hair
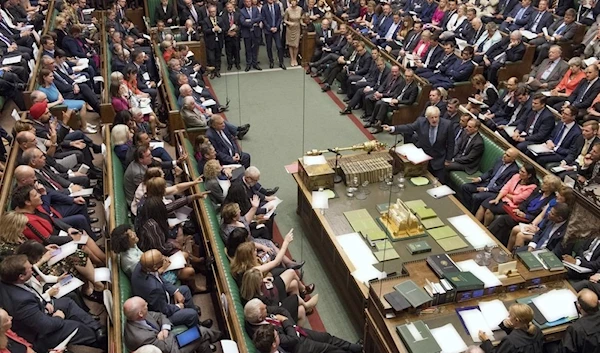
x,y
118,96
515,191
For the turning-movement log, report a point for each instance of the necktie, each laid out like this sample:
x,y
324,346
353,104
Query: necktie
x,y
411,40
54,184
226,140
531,125
429,55
520,13
536,21
546,73
402,92
558,136
560,29
194,14
5,40
272,15
458,134
545,235
379,78
496,176
152,325
582,95
555,4
585,148
390,85
249,13
230,19
432,135
464,149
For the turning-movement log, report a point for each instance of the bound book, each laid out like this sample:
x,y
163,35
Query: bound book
x,y
397,301
552,262
424,213
418,247
441,264
530,261
415,295
464,281
417,338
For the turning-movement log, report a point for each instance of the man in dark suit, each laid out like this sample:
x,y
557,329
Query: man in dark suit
x,y
359,67
451,10
470,150
437,62
560,31
435,136
585,92
518,17
228,151
164,12
413,37
589,172
535,127
266,340
377,75
291,337
561,138
586,15
452,114
231,22
434,54
190,11
460,71
588,255
583,335
383,22
504,106
250,19
407,93
213,38
550,236
504,8
489,183
386,90
540,18
581,147
271,21
549,72
147,283
68,88
560,7
510,49
145,81
388,34
44,323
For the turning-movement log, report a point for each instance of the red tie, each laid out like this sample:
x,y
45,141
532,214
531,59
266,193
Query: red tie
x,y
56,185
230,19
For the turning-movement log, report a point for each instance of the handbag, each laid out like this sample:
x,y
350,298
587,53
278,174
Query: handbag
x,y
511,213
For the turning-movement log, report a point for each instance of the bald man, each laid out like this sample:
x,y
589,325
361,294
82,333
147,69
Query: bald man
x,y
145,327
584,334
175,302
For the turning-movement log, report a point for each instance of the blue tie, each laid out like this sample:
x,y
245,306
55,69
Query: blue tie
x,y
152,325
496,176
520,13
545,235
559,135
560,29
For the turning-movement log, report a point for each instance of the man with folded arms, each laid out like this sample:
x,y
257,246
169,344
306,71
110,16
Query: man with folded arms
x,y
470,149
581,147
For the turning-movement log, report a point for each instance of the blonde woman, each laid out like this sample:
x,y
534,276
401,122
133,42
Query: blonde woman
x,y
522,335
212,171
293,19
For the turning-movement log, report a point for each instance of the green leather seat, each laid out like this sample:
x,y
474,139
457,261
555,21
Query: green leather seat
x,y
491,153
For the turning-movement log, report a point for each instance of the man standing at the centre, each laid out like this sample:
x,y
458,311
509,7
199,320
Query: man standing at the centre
x,y
250,19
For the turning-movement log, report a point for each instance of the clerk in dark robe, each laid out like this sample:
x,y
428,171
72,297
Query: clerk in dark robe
x,y
435,136
584,334
522,335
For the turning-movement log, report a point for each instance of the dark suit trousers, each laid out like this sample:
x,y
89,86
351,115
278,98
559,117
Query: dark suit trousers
x,y
369,103
188,315
471,198
357,98
342,78
251,44
594,287
321,342
501,228
270,38
232,49
355,83
492,72
380,112
333,73
213,56
86,94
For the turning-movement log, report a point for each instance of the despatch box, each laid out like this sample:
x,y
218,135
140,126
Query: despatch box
x,y
316,176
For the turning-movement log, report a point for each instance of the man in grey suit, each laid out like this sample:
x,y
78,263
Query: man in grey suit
x,y
548,74
470,149
148,327
559,31
134,174
191,115
435,136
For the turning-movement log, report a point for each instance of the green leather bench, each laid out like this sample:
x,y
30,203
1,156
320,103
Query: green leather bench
x,y
221,257
491,153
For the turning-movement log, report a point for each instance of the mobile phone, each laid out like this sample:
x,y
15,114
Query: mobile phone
x,y
66,280
268,285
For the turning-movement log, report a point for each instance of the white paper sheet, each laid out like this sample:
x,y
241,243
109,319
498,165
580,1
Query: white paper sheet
x,y
15,115
540,148
87,11
510,130
357,250
65,250
81,67
556,304
474,321
229,346
590,61
314,160
483,273
494,312
576,268
82,240
449,339
366,273
472,231
209,103
177,261
386,100
12,60
440,191
271,205
82,192
412,153
528,34
320,199
156,144
174,221
522,227
102,274
225,185
62,345
69,287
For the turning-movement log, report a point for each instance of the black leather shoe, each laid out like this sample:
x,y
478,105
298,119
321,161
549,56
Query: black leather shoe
x,y
247,68
218,73
325,87
206,323
257,67
367,125
346,111
91,203
376,129
240,135
237,66
92,211
96,230
244,127
271,65
229,67
282,66
93,219
346,100
298,266
272,191
212,75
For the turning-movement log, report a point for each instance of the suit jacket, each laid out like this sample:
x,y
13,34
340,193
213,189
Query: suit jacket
x,y
435,54
464,30
563,6
223,149
407,94
442,148
238,187
583,99
338,43
137,334
73,47
361,64
161,14
502,108
576,147
567,33
383,24
515,53
427,11
389,86
486,177
373,78
227,26
249,21
554,240
213,39
567,142
542,128
545,21
594,262
193,118
54,179
460,71
187,14
555,76
155,292
469,155
524,17
581,335
412,39
505,7
268,21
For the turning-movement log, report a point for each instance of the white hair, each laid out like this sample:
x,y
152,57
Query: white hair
x,y
432,111
252,172
252,309
148,348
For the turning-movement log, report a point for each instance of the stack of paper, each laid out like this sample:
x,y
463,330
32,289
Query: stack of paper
x,y
556,304
528,34
472,231
539,149
440,191
494,312
314,160
356,249
271,206
449,339
483,273
412,153
474,321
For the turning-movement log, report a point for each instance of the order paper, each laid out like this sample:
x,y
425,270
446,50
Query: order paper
x,y
474,322
494,313
449,339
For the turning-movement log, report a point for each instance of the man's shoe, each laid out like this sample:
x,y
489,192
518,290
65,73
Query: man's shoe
x,y
212,75
91,203
346,111
368,125
91,211
272,191
271,65
206,323
93,219
257,67
218,74
325,87
341,91
247,68
240,135
96,230
244,127
237,66
376,130
282,66
229,67
346,100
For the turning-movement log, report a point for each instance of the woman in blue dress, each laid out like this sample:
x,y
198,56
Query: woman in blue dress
x,y
46,82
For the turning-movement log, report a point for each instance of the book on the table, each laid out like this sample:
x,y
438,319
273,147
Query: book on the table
x,y
452,243
441,264
418,247
530,261
552,262
397,301
441,232
430,223
415,295
425,212
464,281
418,338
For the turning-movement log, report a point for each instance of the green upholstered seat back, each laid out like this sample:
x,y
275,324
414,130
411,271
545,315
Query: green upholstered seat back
x,y
491,153
317,26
